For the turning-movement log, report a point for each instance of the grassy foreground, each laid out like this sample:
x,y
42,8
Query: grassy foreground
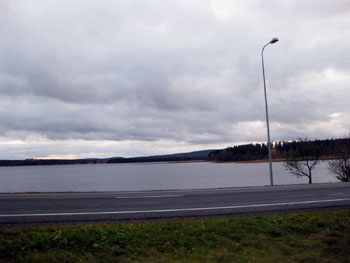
x,y
302,237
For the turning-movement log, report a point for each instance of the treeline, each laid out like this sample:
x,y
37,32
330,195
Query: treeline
x,y
249,152
179,157
29,162
280,150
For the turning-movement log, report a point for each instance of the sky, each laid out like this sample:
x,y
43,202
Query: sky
x,y
103,78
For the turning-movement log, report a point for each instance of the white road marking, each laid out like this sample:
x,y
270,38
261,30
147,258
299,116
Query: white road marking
x,y
147,196
175,209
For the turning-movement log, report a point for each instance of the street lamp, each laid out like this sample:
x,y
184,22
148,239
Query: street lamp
x,y
274,40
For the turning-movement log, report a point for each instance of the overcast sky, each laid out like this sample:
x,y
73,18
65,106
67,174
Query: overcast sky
x,y
102,78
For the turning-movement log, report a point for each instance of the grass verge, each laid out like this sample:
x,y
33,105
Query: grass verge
x,y
302,237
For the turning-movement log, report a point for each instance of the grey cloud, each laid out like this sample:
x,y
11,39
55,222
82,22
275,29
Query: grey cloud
x,y
171,71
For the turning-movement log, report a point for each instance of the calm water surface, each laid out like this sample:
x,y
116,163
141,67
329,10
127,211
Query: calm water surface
x,y
148,176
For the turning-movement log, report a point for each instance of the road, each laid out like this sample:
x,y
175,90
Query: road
x,y
119,206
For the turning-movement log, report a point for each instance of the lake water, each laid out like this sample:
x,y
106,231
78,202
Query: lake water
x,y
148,176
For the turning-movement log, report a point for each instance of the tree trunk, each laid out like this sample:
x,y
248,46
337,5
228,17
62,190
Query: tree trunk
x,y
310,176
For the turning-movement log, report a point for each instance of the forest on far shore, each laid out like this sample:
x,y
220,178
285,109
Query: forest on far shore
x,y
326,149
280,150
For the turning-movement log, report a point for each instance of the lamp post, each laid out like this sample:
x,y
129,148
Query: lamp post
x,y
274,40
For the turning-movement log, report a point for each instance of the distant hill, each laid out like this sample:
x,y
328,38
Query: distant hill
x,y
248,152
177,157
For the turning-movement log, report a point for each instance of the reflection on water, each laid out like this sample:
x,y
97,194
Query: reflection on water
x,y
148,176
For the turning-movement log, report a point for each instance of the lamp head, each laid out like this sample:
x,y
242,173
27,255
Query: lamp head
x,y
274,40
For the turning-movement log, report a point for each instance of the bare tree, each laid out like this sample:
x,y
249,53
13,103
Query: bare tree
x,y
340,166
303,159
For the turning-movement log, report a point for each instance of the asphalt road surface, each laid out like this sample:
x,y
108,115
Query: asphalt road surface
x,y
120,206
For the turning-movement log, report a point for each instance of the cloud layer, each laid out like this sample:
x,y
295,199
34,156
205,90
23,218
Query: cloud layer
x,y
126,78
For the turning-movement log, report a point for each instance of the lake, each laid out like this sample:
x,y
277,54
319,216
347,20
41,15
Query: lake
x,y
148,176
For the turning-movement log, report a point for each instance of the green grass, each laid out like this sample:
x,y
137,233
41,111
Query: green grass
x,y
303,237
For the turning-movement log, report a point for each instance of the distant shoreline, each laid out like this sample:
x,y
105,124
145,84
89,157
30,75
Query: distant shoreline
x,y
41,162
251,161
12,163
277,160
